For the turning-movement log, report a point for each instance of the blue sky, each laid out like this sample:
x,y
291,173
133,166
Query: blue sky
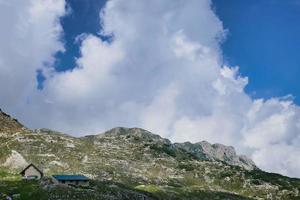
x,y
83,18
263,40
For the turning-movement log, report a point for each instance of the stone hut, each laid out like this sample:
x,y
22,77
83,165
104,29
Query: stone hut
x,y
31,172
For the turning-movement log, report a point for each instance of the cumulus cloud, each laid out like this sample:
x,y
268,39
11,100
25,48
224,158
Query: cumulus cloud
x,y
29,36
162,71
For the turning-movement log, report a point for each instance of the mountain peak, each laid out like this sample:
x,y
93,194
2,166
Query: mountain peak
x,y
134,132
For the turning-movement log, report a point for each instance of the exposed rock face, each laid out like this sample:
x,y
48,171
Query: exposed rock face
x,y
202,150
15,161
217,152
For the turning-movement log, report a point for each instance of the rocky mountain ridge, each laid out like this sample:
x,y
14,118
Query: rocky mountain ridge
x,y
202,150
143,161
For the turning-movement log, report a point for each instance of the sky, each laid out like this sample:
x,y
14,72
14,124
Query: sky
x,y
263,41
186,70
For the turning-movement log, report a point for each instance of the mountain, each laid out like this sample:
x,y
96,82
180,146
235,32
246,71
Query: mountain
x,y
132,163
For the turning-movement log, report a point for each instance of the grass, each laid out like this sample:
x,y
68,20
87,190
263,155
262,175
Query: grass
x,y
4,173
167,192
32,190
275,179
149,188
25,190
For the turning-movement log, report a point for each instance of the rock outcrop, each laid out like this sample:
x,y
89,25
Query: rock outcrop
x,y
217,152
15,161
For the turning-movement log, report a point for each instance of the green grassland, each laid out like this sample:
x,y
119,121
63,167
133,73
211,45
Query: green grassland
x,y
12,185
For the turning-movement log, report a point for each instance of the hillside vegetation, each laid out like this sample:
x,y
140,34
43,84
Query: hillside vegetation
x,y
132,163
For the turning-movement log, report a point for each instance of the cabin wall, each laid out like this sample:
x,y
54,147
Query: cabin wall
x,y
83,183
79,183
31,171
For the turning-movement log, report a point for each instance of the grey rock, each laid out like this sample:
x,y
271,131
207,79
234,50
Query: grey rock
x,y
217,152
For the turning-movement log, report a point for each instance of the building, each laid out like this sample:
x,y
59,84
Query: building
x,y
31,172
78,180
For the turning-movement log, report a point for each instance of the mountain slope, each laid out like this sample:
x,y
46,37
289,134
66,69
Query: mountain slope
x,y
142,161
9,124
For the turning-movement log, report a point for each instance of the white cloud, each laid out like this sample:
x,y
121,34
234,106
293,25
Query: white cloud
x,y
159,115
281,158
162,71
29,35
93,71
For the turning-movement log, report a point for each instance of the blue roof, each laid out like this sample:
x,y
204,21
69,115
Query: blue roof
x,y
70,177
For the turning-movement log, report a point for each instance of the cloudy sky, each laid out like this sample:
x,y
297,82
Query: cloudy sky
x,y
187,70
